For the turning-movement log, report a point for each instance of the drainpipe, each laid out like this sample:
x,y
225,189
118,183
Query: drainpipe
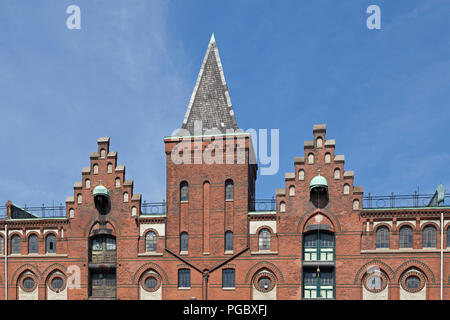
x,y
442,254
6,261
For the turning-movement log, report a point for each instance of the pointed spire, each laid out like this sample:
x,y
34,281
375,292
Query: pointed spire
x,y
210,102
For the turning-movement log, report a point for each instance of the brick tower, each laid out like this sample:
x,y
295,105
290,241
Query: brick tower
x,y
210,180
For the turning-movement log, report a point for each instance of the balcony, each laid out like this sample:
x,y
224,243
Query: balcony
x,y
415,200
42,212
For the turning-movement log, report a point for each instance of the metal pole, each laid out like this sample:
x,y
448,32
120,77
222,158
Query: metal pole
x,y
6,261
442,254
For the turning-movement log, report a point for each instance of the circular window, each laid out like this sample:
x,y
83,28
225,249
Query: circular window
x,y
151,282
264,282
57,282
413,281
28,284
375,282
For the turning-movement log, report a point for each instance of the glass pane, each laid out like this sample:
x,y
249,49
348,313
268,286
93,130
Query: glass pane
x,y
97,244
413,282
110,244
264,283
57,283
150,283
310,240
51,244
326,240
28,283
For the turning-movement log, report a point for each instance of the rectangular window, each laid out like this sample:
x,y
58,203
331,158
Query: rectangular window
x,y
184,278
228,278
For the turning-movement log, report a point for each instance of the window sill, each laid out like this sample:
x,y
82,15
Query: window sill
x,y
228,252
229,288
148,254
264,252
183,253
184,288
229,200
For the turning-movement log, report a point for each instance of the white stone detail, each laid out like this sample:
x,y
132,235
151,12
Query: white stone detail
x,y
255,225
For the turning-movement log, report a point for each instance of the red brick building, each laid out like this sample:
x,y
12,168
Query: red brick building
x,y
321,238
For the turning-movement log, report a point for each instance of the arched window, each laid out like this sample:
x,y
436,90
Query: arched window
x,y
301,174
337,173
319,142
310,158
125,197
429,237
264,239
228,241
291,191
150,241
87,184
184,278
33,244
184,241
15,244
327,157
133,211
95,168
229,190
109,167
228,278
356,204
184,191
50,244
102,153
405,237
117,182
382,236
282,206
79,198
346,189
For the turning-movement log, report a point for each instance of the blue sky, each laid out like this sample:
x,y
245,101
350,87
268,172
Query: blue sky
x,y
129,73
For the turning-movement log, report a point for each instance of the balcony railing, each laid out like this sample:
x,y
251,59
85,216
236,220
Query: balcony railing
x,y
34,212
153,208
415,200
263,205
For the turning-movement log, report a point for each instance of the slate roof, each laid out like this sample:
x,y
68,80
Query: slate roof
x,y
210,101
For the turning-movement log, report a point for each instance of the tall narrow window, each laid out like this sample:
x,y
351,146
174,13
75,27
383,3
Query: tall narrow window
x,y
184,191
229,190
79,198
337,173
228,278
291,191
33,244
264,239
429,237
2,245
310,158
346,189
50,244
109,168
15,244
184,278
319,142
405,237
103,153
356,204
301,174
95,168
117,182
228,241
282,206
150,242
327,157
125,197
184,241
88,184
382,237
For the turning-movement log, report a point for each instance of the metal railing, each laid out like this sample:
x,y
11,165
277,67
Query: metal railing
x,y
263,205
35,212
153,208
415,200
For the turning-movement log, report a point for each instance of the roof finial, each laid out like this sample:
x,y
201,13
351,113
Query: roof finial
x,y
212,38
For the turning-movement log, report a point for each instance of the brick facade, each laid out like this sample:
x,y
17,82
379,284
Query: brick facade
x,y
321,242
